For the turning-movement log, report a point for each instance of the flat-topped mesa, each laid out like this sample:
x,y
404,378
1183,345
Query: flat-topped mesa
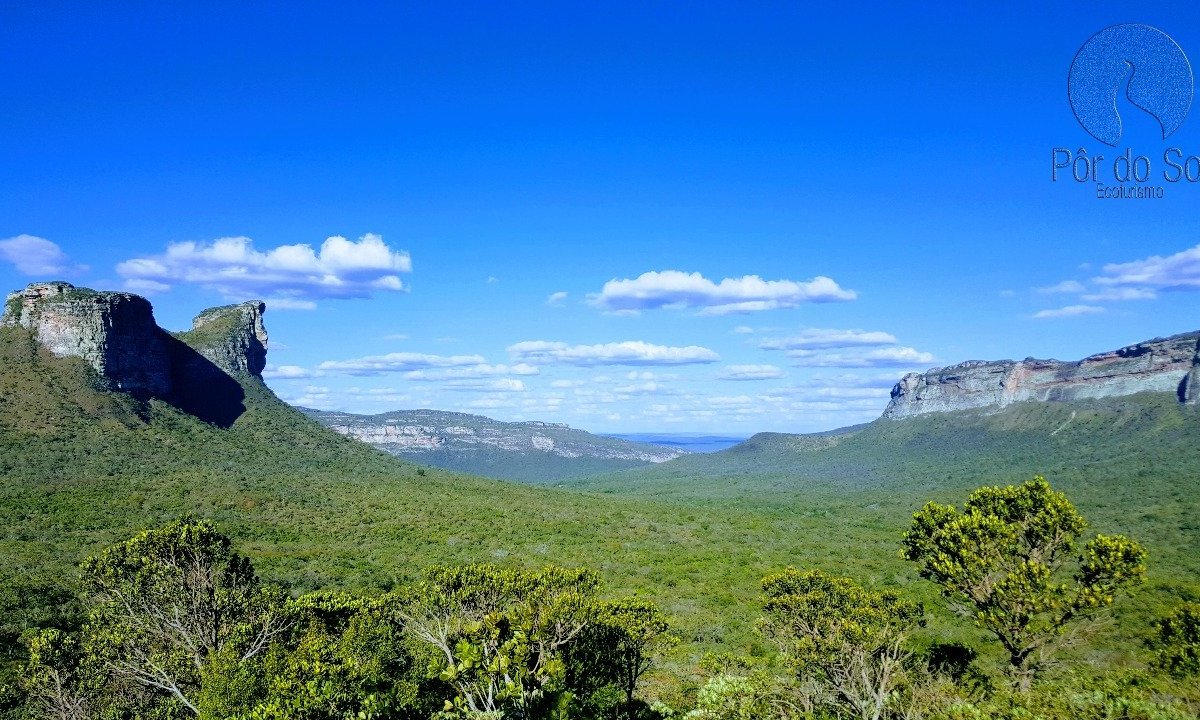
x,y
114,332
1169,364
232,337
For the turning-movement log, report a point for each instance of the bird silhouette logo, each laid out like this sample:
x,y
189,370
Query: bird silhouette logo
x,y
1142,61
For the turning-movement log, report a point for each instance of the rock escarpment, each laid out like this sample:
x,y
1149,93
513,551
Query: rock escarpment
x,y
232,337
1169,365
115,333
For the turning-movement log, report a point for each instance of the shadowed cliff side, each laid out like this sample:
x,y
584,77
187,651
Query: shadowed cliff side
x,y
204,371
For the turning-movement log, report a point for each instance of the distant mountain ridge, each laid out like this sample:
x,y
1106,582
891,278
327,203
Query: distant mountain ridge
x,y
529,451
1128,413
1170,365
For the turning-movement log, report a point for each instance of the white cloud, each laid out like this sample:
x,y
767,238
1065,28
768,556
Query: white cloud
x,y
284,303
1121,293
398,362
498,385
751,372
743,330
630,352
466,372
37,256
898,356
289,273
643,388
1069,311
676,289
395,336
1066,287
817,338
146,287
556,298
287,372
1180,271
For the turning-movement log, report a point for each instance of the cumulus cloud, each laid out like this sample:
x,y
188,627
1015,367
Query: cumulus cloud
x,y
37,256
751,372
677,290
1180,271
1068,311
287,372
147,287
556,298
630,352
817,338
898,356
289,275
399,362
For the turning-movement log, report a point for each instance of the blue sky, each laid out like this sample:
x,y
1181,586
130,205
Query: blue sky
x,y
635,217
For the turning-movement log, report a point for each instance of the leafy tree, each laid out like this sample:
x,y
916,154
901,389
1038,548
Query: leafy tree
x,y
616,649
732,697
346,657
499,634
1007,560
850,637
1177,640
52,680
176,605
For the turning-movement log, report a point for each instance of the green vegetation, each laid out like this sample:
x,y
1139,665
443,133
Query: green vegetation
x,y
1177,640
179,625
1003,561
851,641
500,450
337,526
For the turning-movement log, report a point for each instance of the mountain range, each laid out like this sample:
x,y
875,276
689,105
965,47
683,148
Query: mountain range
x,y
110,424
524,451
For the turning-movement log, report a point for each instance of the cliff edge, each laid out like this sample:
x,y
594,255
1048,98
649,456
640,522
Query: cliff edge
x,y
201,370
1169,365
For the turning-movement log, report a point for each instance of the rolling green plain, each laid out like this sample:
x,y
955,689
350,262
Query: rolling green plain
x,y
82,468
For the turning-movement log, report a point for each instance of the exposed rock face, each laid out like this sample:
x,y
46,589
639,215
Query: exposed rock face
x,y
1161,365
116,334
113,332
414,432
233,337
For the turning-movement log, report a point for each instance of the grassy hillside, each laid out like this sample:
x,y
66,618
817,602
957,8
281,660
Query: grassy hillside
x,y
81,468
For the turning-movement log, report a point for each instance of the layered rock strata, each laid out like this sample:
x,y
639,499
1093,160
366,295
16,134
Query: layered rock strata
x,y
1169,364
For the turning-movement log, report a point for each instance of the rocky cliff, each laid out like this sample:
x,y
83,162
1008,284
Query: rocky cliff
x,y
1168,365
232,337
522,451
115,333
